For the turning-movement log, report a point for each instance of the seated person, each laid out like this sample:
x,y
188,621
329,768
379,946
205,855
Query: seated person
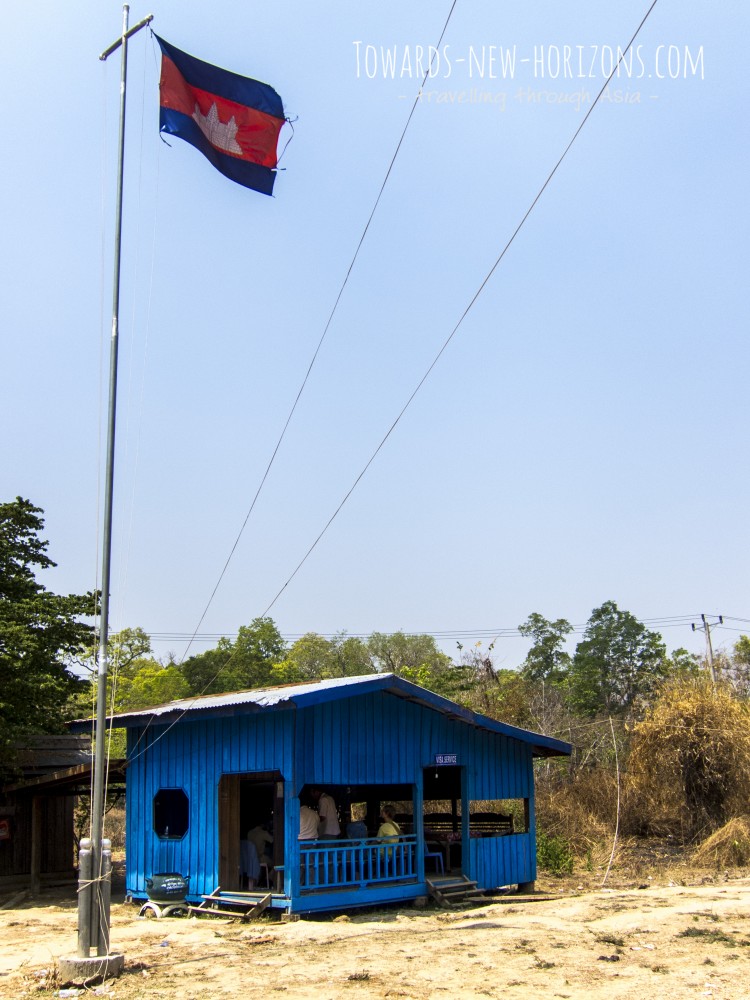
x,y
261,837
389,829
249,865
356,829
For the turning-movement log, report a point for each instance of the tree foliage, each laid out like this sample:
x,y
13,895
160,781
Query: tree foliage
x,y
235,666
618,664
547,660
40,632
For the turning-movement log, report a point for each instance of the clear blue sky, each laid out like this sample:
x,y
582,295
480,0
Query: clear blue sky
x,y
583,438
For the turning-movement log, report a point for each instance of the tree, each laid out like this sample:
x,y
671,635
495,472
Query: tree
x,y
618,664
40,632
398,652
308,659
235,666
313,657
350,656
546,660
153,684
738,668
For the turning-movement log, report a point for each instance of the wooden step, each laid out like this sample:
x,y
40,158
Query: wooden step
x,y
455,891
243,906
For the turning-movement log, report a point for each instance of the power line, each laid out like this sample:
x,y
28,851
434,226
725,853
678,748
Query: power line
x,y
504,632
464,314
323,335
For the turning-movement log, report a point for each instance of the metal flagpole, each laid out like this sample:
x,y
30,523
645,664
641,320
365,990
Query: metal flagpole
x,y
95,871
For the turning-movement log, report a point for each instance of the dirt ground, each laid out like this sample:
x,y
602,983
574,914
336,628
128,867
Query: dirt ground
x,y
676,932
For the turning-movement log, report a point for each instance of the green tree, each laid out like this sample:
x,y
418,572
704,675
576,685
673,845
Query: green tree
x,y
681,663
307,659
398,652
313,657
128,652
235,666
738,668
546,660
618,664
40,632
153,684
350,656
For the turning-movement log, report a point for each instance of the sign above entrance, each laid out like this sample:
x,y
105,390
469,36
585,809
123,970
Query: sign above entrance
x,y
446,758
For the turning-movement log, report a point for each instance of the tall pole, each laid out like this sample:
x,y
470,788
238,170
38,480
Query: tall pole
x,y
100,897
706,627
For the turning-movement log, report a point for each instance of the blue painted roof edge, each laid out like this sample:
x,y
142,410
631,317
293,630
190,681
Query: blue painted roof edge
x,y
306,695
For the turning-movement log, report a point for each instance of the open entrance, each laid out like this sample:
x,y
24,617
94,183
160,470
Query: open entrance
x,y
443,830
248,802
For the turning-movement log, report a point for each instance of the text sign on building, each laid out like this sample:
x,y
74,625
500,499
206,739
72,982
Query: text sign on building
x,y
446,758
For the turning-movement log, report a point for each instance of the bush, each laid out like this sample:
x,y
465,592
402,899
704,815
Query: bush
x,y
690,759
553,854
728,846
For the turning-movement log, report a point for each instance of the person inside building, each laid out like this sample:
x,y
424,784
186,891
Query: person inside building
x,y
328,828
356,828
308,821
262,838
389,829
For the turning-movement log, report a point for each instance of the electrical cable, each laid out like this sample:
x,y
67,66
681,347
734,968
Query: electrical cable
x,y
465,312
322,337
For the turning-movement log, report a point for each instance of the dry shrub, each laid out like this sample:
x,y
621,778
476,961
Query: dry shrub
x,y
690,759
729,846
583,811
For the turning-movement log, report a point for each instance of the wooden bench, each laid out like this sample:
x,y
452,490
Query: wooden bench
x,y
439,826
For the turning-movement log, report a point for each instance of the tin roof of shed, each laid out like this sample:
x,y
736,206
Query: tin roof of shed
x,y
317,692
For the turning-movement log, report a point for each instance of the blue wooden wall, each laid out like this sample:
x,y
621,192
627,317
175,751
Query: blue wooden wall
x,y
193,756
374,738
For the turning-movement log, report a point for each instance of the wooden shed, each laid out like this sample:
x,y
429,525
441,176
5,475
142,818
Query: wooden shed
x,y
37,838
202,772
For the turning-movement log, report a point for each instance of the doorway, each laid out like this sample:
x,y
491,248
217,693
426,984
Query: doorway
x,y
246,801
442,813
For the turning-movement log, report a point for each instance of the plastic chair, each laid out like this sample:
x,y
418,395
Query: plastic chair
x,y
437,857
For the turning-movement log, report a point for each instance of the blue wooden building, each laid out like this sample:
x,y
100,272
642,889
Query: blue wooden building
x,y
203,771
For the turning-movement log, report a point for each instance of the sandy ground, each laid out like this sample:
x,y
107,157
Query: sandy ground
x,y
675,940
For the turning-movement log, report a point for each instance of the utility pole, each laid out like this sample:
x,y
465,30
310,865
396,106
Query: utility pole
x,y
706,627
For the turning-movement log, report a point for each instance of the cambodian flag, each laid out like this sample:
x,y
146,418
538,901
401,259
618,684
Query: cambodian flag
x,y
234,121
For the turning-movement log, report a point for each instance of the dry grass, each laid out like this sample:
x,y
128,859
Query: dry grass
x,y
729,847
583,812
690,759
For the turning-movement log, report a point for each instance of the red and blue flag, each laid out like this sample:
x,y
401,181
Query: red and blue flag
x,y
233,120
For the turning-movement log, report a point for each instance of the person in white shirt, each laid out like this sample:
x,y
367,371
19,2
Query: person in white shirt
x,y
328,828
308,823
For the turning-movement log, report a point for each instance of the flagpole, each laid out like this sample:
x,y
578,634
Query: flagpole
x,y
95,869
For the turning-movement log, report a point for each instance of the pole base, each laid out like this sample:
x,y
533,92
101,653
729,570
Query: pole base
x,y
74,969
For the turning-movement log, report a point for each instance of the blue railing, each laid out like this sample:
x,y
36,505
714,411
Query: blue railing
x,y
339,864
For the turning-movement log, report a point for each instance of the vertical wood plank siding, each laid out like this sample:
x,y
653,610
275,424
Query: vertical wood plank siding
x,y
383,739
373,738
192,756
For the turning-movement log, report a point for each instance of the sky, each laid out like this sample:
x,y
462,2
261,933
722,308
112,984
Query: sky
x,y
581,438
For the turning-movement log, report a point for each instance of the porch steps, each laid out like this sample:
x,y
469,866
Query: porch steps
x,y
240,905
454,891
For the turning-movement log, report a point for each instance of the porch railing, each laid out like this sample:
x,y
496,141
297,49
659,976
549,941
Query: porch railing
x,y
340,864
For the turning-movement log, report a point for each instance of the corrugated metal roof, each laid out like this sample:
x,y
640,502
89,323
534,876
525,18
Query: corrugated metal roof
x,y
306,694
262,697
